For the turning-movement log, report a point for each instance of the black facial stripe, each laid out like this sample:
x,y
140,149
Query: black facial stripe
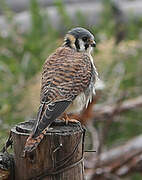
x,y
86,46
77,44
68,43
84,38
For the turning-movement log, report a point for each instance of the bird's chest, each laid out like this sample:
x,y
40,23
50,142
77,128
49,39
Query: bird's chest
x,y
81,100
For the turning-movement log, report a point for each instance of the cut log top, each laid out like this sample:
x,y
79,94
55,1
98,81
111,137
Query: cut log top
x,y
57,126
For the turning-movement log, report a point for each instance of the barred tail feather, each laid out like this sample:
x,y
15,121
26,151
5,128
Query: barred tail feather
x,y
46,115
33,142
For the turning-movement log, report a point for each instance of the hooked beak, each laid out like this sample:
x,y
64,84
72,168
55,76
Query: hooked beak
x,y
93,43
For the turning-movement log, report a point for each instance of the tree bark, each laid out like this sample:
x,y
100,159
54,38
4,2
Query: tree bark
x,y
58,156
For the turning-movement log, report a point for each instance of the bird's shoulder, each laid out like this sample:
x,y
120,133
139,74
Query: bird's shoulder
x,y
64,55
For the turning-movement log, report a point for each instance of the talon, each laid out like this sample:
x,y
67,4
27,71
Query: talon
x,y
74,121
66,118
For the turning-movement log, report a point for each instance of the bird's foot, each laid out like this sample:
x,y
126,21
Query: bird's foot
x,y
74,121
66,118
69,119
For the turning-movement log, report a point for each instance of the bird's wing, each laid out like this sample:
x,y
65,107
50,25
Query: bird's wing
x,y
66,74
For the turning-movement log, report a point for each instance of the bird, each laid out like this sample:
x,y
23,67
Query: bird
x,y
67,83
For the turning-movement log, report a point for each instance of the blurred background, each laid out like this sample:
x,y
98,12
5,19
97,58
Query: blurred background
x,y
31,30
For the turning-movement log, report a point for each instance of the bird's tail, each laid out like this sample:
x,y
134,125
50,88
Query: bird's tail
x,y
32,143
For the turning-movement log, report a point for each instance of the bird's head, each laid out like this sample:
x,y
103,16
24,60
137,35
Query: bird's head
x,y
80,39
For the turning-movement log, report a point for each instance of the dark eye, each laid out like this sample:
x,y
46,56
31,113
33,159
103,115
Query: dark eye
x,y
84,39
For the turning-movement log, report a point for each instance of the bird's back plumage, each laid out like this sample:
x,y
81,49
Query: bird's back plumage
x,y
66,74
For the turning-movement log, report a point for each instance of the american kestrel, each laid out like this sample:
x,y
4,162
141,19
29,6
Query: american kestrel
x,y
68,82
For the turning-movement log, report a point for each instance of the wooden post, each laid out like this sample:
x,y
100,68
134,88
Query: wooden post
x,y
4,175
58,157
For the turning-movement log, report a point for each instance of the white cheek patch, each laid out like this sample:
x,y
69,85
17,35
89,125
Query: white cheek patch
x,y
82,45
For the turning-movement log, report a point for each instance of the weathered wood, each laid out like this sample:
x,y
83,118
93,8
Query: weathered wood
x,y
4,175
120,161
60,150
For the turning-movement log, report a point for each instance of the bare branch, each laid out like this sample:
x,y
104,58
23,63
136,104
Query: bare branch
x,y
109,110
120,161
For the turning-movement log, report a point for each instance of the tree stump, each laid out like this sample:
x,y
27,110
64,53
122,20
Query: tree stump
x,y
59,156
